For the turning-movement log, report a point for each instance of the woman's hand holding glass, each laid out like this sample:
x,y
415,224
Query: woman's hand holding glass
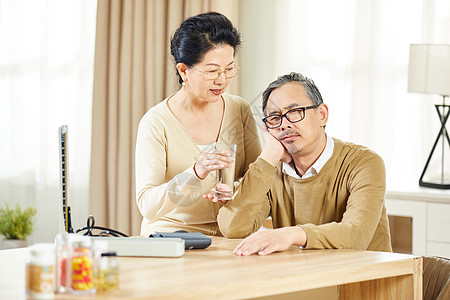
x,y
212,159
218,158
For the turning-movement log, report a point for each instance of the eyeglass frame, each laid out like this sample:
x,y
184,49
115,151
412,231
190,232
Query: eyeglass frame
x,y
219,72
286,113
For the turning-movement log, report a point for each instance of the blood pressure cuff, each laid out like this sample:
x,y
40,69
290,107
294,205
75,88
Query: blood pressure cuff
x,y
192,240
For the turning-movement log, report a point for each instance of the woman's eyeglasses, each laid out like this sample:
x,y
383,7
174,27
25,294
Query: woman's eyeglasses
x,y
294,115
229,72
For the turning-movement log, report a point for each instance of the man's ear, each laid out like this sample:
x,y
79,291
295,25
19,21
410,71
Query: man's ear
x,y
323,114
181,67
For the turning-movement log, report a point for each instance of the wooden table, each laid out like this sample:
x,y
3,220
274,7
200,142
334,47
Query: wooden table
x,y
215,273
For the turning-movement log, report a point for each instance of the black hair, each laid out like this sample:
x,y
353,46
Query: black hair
x,y
199,34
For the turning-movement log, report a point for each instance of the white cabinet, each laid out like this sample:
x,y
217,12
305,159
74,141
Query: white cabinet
x,y
418,212
438,229
429,210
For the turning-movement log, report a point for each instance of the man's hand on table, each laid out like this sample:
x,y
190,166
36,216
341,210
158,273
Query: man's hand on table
x,y
267,242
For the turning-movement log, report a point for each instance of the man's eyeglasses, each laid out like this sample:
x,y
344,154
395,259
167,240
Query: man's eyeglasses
x,y
229,72
294,115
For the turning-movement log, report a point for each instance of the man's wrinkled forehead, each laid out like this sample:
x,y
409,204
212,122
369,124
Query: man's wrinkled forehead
x,y
274,109
283,100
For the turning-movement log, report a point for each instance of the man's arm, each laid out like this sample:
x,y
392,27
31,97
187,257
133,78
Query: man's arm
x,y
250,206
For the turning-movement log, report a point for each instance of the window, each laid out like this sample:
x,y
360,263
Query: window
x,y
46,71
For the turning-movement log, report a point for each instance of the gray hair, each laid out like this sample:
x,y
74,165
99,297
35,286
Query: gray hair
x,y
312,92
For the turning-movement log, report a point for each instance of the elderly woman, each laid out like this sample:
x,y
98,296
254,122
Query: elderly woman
x,y
175,161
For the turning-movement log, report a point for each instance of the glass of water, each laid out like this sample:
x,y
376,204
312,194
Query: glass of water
x,y
225,177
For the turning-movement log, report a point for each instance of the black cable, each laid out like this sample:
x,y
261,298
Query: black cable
x,y
108,231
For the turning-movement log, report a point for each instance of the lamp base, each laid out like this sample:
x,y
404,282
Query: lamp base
x,y
443,134
441,186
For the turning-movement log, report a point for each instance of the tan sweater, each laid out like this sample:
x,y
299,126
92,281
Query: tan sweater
x,y
168,193
340,207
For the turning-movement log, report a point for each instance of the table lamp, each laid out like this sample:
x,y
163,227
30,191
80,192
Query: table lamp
x,y
429,73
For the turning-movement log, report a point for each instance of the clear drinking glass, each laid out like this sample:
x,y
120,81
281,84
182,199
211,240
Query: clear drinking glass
x,y
225,177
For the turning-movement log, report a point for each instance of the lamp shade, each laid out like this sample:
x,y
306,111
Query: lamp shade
x,y
429,69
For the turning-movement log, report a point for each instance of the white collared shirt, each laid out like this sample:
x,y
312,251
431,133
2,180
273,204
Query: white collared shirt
x,y
317,166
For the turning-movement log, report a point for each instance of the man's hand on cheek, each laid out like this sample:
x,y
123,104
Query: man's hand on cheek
x,y
273,151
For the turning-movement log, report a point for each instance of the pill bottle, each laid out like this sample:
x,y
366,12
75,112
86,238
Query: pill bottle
x,y
107,274
82,268
40,272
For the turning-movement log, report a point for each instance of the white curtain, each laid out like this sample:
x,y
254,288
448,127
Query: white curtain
x,y
46,70
357,53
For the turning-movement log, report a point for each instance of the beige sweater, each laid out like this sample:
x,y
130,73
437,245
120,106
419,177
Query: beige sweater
x,y
168,193
340,207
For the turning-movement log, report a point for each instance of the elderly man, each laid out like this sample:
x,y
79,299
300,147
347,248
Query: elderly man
x,y
321,192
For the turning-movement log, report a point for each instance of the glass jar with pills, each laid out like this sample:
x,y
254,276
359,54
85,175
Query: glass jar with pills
x,y
107,274
82,268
